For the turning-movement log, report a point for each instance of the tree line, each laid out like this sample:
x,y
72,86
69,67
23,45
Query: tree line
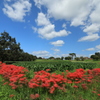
x,y
10,50
96,56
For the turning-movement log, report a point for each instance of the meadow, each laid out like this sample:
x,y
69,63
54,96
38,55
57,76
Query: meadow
x,y
50,80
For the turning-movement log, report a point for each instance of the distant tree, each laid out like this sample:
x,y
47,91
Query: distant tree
x,y
72,55
62,58
39,58
68,58
51,58
95,57
58,58
77,58
82,58
97,54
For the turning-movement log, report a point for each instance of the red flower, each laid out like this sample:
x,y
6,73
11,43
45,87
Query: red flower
x,y
37,95
48,70
34,96
98,94
93,91
12,95
75,86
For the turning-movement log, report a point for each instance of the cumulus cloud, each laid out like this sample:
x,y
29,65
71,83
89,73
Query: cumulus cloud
x,y
47,29
64,25
75,11
57,43
90,49
97,47
34,29
42,20
18,10
56,50
79,12
91,37
41,53
90,29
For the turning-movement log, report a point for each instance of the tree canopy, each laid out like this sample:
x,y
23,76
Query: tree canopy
x,y
96,56
72,55
10,50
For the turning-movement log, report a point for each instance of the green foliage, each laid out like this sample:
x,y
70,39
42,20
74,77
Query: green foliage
x,y
80,58
72,55
68,58
10,50
96,56
56,65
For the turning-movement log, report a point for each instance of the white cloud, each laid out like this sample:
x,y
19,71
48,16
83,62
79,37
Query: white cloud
x,y
91,37
78,12
64,25
92,28
34,28
79,55
94,16
90,49
98,47
75,11
41,53
18,10
47,29
56,50
57,43
42,20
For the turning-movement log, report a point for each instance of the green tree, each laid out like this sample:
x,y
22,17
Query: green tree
x,y
58,58
10,50
62,58
95,57
82,58
72,55
77,58
68,58
51,58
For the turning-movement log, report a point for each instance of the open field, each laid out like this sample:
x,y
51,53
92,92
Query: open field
x,y
17,83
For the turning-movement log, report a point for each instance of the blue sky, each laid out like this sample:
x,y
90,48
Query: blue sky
x,y
56,28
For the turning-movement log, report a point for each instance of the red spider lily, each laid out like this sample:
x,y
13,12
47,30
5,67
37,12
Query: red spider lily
x,y
47,80
48,70
75,86
84,86
34,96
15,74
52,89
98,94
93,91
12,95
5,83
48,99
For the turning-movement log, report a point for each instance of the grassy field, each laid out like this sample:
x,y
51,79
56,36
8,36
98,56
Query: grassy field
x,y
86,87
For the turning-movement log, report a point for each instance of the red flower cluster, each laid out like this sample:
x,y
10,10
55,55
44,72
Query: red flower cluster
x,y
15,74
47,80
75,76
